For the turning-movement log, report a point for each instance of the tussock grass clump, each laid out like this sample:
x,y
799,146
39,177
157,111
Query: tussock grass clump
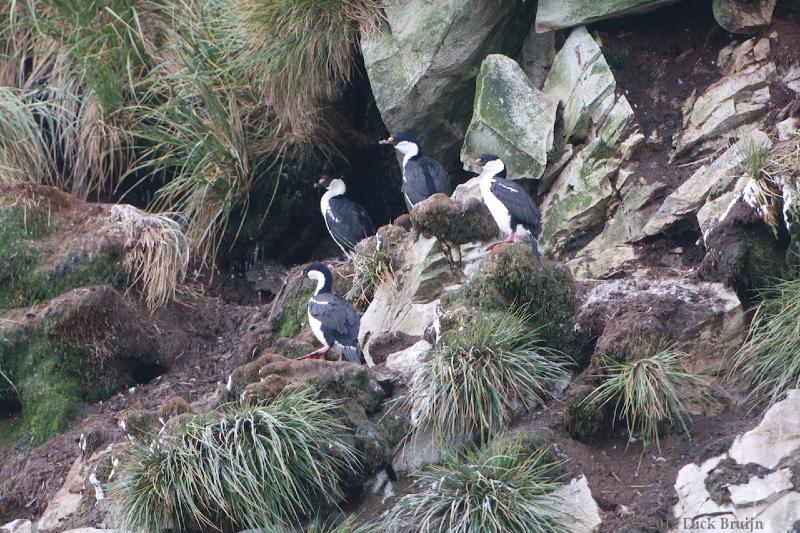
x,y
769,360
264,466
298,52
649,392
494,489
157,253
372,267
24,155
480,374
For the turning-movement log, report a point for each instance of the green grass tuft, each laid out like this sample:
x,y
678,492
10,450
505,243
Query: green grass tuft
x,y
24,154
299,53
261,466
494,489
769,360
480,374
649,392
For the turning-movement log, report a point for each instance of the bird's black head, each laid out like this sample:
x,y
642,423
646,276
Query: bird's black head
x,y
320,273
398,137
494,163
326,180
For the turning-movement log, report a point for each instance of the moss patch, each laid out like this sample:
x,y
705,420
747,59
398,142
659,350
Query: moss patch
x,y
443,218
294,310
50,379
511,279
25,279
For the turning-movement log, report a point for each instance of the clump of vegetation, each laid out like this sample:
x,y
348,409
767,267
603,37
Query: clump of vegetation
x,y
157,253
373,265
497,488
253,467
480,374
298,53
510,278
649,392
584,421
23,152
768,361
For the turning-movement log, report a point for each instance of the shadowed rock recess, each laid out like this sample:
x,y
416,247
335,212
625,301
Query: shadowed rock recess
x,y
642,375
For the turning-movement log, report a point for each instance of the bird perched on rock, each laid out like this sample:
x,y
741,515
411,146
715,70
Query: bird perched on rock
x,y
333,320
422,176
512,208
347,221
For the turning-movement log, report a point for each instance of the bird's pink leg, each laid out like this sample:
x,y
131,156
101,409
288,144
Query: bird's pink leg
x,y
316,354
509,239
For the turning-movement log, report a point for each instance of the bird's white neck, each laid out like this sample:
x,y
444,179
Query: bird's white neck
x,y
326,199
409,150
319,278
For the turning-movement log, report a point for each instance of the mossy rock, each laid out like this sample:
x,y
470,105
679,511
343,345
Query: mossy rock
x,y
446,219
585,421
29,275
82,347
510,278
631,336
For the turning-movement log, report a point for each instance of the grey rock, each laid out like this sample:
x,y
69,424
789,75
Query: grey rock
x,y
744,16
687,199
18,526
557,14
422,64
510,117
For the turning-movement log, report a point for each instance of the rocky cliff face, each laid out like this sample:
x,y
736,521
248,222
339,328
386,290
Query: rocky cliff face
x,y
660,143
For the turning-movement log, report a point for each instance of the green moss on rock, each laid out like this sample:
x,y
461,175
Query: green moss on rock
x,y
51,379
293,314
441,217
26,278
510,278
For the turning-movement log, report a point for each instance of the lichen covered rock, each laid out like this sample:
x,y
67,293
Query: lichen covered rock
x,y
422,63
744,16
558,14
510,117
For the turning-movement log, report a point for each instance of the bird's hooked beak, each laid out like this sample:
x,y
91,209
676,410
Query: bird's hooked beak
x,y
322,183
390,140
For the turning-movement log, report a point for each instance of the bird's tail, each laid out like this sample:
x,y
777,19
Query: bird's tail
x,y
351,354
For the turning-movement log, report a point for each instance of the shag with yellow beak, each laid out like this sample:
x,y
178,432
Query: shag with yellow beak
x,y
347,221
511,207
423,176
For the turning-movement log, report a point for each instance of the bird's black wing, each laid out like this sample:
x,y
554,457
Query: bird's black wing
x,y
436,176
518,202
337,316
423,177
348,222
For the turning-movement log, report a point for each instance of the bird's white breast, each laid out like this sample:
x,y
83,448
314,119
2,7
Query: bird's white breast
x,y
496,207
316,327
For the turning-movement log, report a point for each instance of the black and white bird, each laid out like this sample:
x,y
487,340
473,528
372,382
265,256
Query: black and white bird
x,y
333,320
423,176
347,221
511,207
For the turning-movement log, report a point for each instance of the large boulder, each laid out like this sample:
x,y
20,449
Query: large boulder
x,y
578,197
558,14
630,316
744,16
510,117
423,62
754,485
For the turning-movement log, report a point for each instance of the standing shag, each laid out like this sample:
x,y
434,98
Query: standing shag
x,y
422,176
512,208
333,320
347,221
